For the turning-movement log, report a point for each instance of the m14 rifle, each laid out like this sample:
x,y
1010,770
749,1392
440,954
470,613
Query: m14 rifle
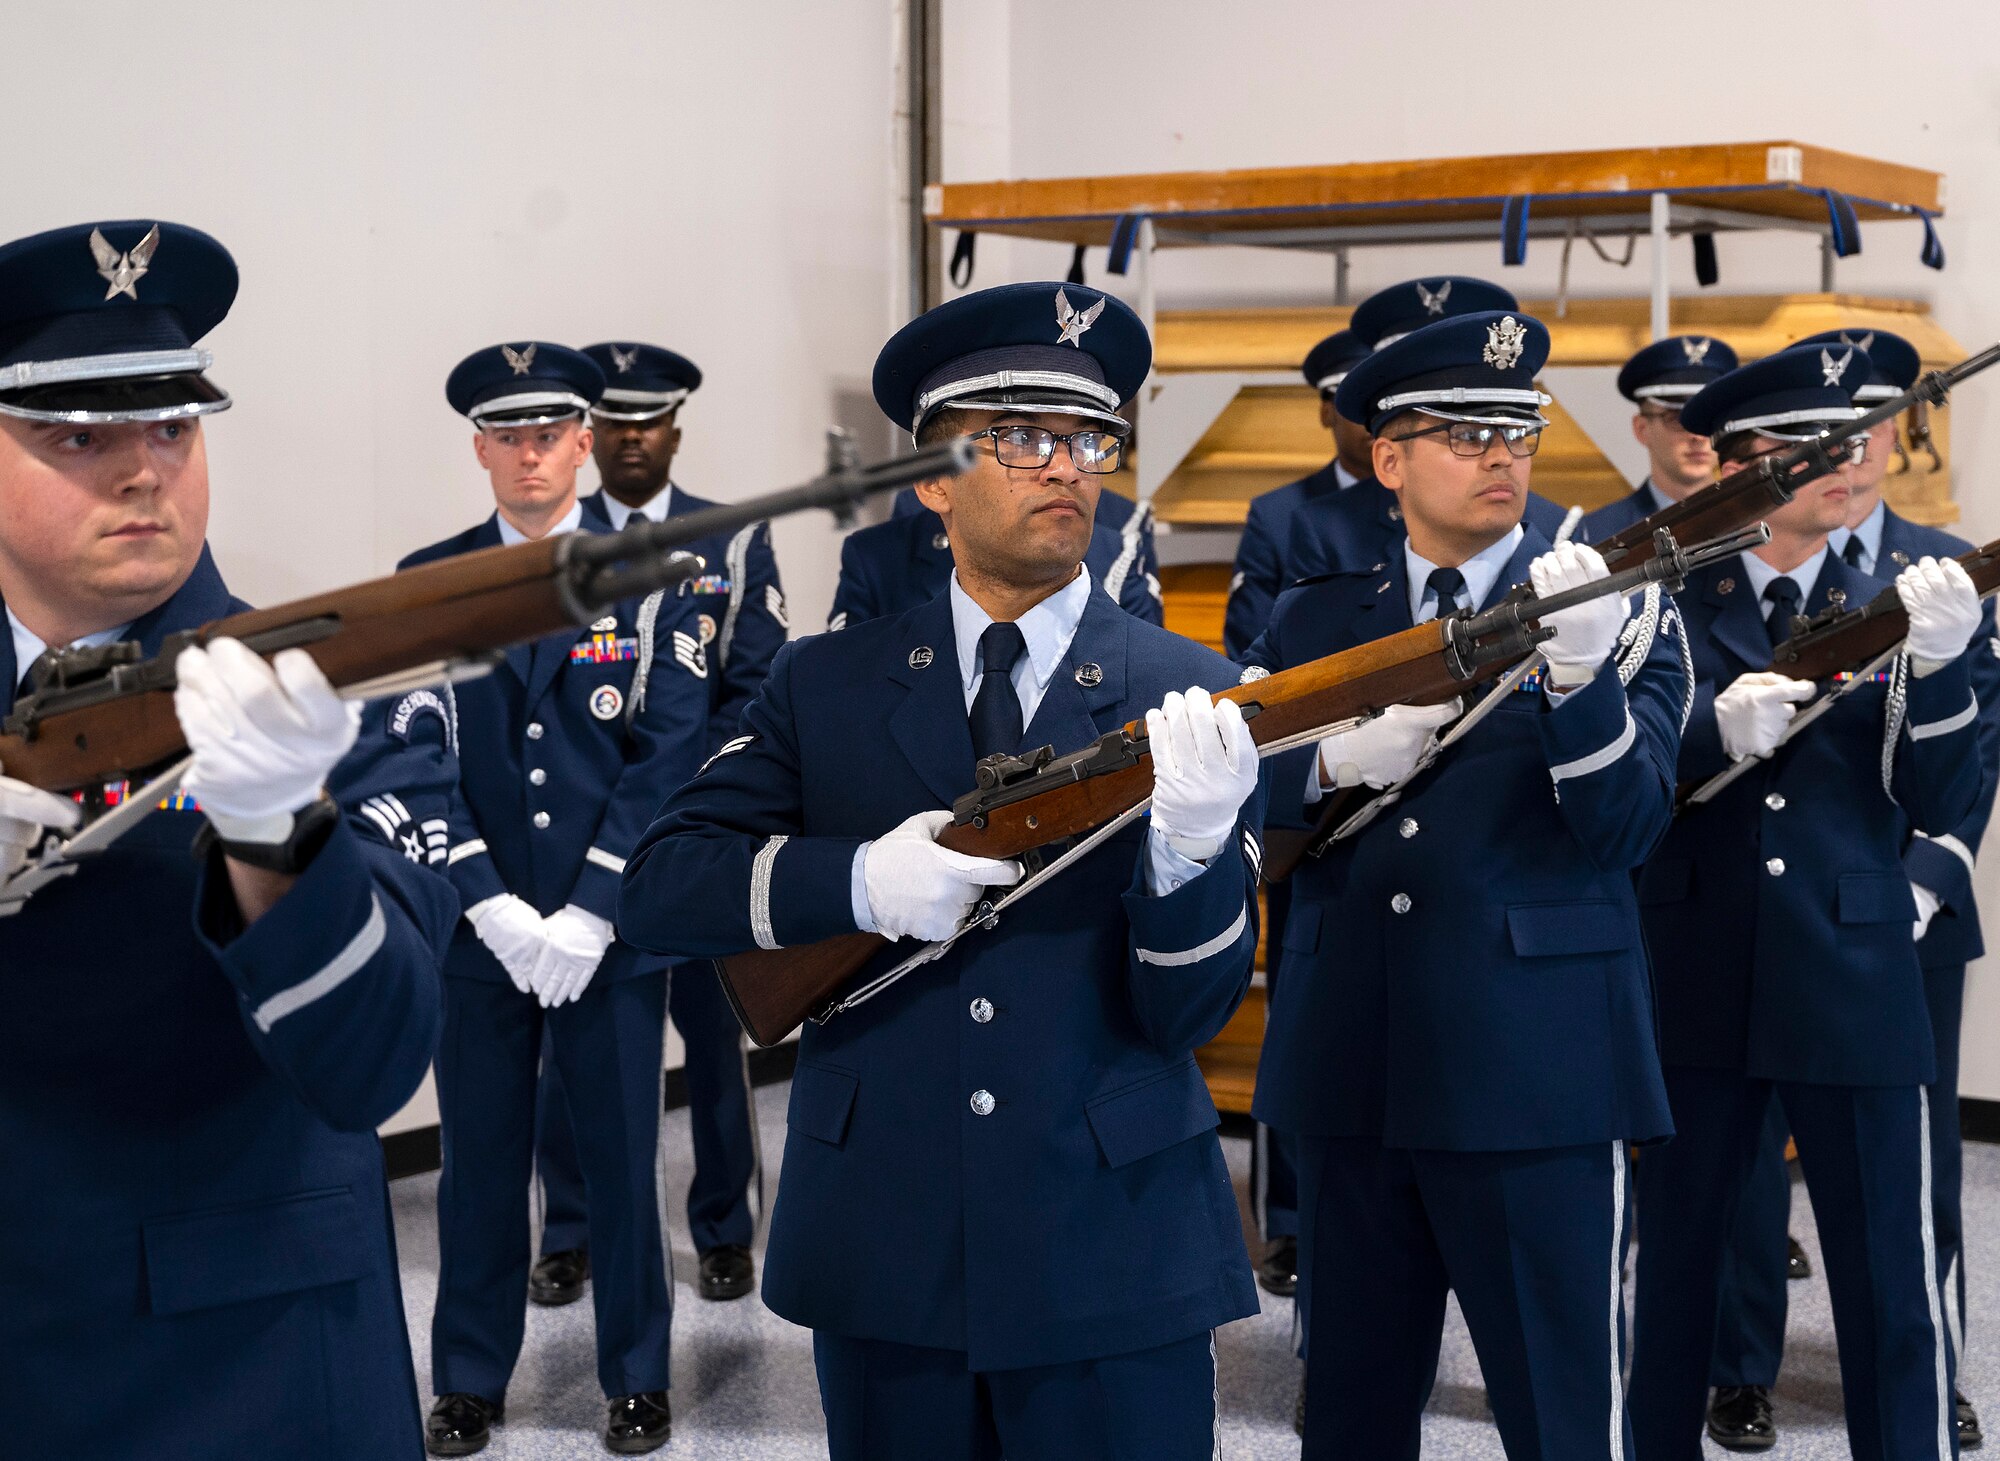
x,y
92,716
1743,497
1023,803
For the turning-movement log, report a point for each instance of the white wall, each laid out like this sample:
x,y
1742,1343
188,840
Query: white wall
x,y
1140,86
404,183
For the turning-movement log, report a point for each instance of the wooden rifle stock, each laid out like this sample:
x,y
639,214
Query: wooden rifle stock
x,y
99,715
774,990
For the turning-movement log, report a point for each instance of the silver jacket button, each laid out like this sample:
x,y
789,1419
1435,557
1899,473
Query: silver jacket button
x,y
1401,902
1408,827
534,730
982,1011
1775,867
537,776
982,1103
541,821
1775,802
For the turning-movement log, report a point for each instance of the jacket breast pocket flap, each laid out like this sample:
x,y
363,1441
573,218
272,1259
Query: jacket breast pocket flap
x,y
822,1099
208,1259
1876,898
1152,1114
1542,930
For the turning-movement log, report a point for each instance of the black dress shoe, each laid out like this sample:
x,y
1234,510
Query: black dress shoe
x,y
1739,1418
1278,1269
727,1272
1797,1265
559,1278
461,1424
639,1423
1970,1436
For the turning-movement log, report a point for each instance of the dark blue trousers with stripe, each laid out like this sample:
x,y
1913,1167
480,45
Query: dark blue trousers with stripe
x,y
1865,1152
1750,1326
1530,1242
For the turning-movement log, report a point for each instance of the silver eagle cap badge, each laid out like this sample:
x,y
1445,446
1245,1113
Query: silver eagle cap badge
x,y
122,272
624,360
1695,349
1433,300
1866,342
1073,321
1504,343
1833,369
521,360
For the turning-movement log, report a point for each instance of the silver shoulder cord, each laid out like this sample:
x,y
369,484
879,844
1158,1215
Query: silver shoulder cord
x,y
59,857
1712,787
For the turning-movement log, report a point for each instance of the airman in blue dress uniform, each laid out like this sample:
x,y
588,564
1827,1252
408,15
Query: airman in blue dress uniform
x,y
565,752
1004,1210
1750,1337
741,607
1780,919
1659,380
907,561
1362,526
195,1049
1463,1038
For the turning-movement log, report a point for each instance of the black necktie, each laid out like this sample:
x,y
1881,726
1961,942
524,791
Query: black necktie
x,y
1853,551
1782,594
1447,584
996,709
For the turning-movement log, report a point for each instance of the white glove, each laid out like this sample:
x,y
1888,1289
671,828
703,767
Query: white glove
x,y
26,815
1751,712
264,736
1382,751
1586,634
919,889
1944,611
574,941
1928,904
1204,769
512,932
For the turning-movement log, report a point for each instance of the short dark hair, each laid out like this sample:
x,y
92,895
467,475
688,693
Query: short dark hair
x,y
946,422
1737,446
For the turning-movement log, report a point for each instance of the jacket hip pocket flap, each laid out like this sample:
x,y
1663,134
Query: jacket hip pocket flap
x,y
1153,1114
1539,930
1876,898
822,1099
1302,929
205,1260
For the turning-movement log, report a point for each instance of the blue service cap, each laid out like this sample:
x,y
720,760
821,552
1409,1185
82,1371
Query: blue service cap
x,y
98,322
1790,396
1893,365
1673,369
1478,367
1387,315
524,385
1328,362
641,381
1018,347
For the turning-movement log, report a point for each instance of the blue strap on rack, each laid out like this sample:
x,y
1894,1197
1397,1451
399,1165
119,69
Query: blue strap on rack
x,y
1843,228
1124,238
1514,229
1933,254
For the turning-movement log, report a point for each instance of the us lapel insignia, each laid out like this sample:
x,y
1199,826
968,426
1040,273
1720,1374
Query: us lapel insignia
x,y
940,542
1726,586
1395,514
1900,558
1089,675
921,657
1837,597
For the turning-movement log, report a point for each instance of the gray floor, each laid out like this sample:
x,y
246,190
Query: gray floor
x,y
743,1384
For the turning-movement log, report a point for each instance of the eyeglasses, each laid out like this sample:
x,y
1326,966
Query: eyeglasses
x,y
1028,447
1666,416
1475,439
1856,451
